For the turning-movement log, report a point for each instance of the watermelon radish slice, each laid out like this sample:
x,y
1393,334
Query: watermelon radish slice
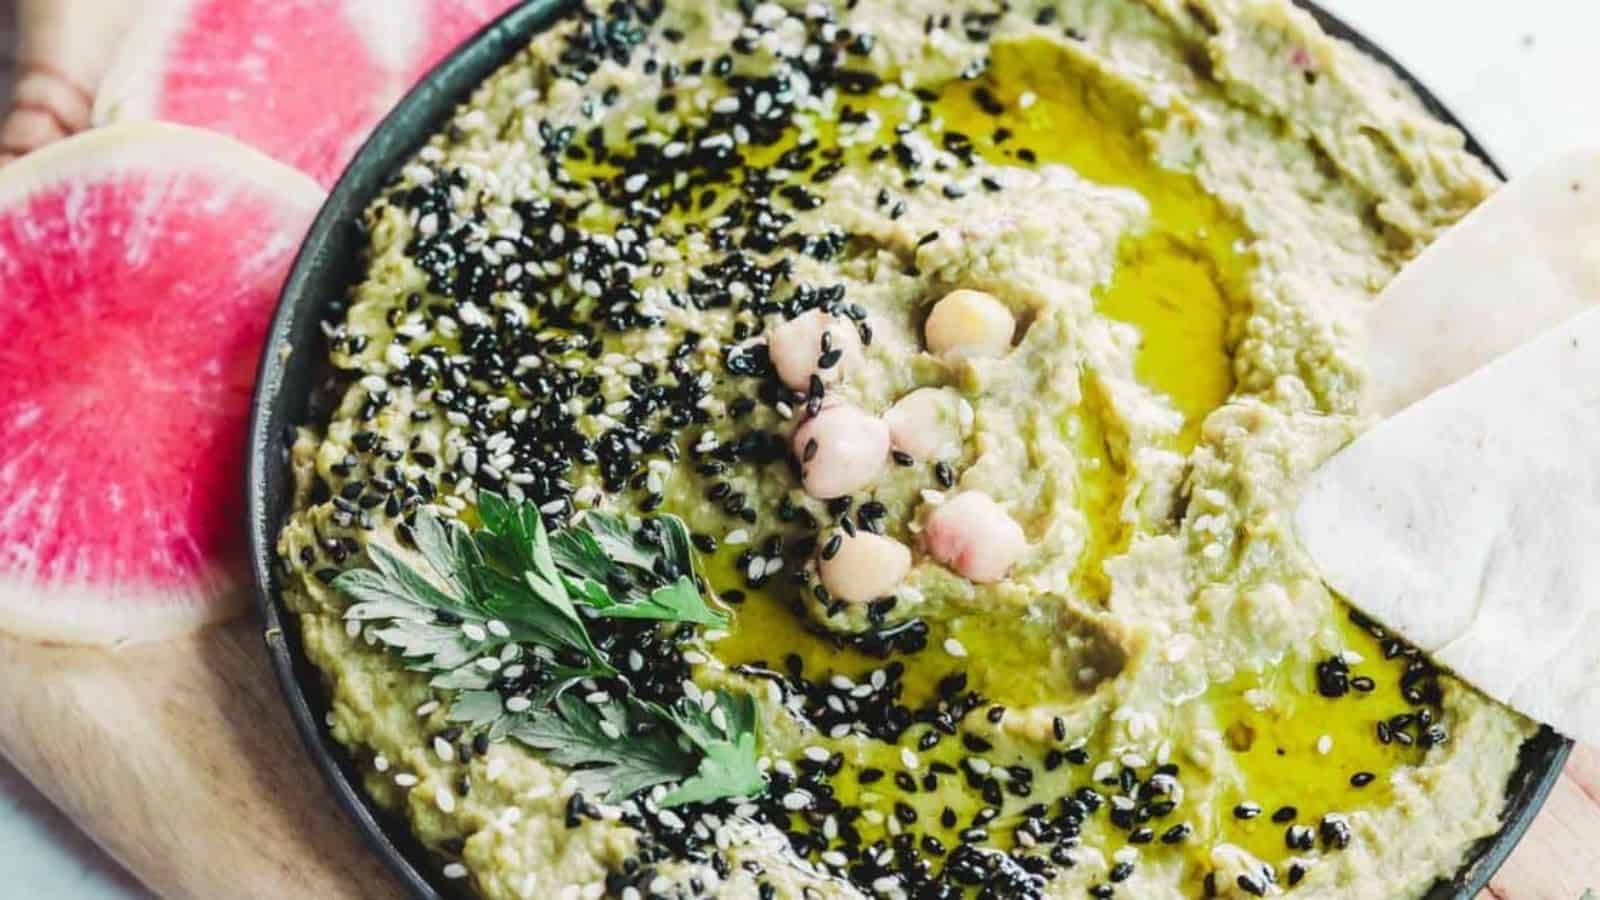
x,y
447,24
141,263
303,80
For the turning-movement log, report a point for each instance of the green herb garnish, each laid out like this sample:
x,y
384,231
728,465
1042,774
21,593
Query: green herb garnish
x,y
504,622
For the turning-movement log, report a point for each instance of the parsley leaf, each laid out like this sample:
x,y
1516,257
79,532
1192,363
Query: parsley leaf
x,y
510,598
604,748
623,576
726,737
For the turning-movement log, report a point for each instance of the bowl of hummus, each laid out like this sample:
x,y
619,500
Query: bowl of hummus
x,y
846,449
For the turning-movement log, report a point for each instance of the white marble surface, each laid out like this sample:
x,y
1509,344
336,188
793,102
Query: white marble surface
x,y
1521,75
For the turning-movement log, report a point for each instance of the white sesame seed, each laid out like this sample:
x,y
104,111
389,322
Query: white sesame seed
x,y
796,800
405,780
380,763
954,647
455,871
1324,744
444,749
518,704
473,630
445,800
736,537
498,628
908,758
427,709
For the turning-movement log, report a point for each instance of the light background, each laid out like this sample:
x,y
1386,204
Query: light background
x,y
1523,76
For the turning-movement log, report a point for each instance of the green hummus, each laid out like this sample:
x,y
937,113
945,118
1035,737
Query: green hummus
x,y
1183,204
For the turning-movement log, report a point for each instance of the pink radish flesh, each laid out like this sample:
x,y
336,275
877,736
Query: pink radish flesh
x,y
291,78
303,80
450,22
142,263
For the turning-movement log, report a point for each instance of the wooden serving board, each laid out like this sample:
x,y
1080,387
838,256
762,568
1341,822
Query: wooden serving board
x,y
179,759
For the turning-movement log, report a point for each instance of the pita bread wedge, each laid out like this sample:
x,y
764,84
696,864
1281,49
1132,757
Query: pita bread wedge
x,y
1470,524
1525,261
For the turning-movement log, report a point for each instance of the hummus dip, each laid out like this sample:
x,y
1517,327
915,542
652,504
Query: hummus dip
x,y
1040,630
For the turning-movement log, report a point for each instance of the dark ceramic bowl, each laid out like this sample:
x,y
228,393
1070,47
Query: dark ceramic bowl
x,y
330,262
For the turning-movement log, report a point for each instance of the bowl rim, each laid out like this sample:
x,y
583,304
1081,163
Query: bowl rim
x,y
285,381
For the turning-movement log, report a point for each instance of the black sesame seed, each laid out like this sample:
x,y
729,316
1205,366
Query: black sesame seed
x,y
831,548
1335,831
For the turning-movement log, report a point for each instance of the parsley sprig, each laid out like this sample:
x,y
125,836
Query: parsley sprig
x,y
505,622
